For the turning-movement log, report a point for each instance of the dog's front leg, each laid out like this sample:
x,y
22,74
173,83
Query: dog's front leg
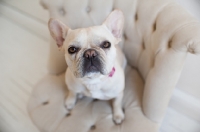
x,y
118,115
70,100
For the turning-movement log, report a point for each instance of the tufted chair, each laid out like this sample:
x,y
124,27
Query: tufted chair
x,y
158,34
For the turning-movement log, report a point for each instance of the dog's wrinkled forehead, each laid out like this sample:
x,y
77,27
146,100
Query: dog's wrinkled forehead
x,y
88,37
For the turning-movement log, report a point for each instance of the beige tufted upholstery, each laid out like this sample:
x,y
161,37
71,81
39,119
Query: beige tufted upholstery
x,y
158,34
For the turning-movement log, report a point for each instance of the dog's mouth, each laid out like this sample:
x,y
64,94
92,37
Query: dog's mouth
x,y
91,66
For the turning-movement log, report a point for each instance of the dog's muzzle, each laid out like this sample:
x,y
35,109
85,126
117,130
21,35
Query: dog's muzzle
x,y
91,62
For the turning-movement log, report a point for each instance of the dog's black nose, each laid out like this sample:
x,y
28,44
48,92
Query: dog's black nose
x,y
90,54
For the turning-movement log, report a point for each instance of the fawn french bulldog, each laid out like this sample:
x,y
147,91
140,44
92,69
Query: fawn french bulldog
x,y
95,61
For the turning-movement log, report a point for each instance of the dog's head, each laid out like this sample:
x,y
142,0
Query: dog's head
x,y
89,51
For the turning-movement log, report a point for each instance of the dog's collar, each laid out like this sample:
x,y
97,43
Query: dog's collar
x,y
112,72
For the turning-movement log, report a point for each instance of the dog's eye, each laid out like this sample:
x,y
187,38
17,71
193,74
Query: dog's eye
x,y
72,50
106,44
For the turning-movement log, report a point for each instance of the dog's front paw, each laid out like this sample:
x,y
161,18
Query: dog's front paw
x,y
118,117
69,104
80,96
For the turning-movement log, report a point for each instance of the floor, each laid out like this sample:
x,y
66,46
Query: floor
x,y
25,21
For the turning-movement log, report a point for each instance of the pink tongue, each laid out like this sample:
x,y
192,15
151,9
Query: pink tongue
x,y
112,72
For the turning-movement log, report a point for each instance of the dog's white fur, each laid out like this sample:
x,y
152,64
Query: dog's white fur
x,y
95,84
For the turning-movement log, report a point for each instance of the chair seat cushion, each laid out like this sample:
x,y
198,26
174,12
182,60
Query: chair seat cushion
x,y
46,108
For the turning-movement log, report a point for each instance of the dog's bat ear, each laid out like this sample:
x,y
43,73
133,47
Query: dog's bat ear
x,y
58,31
115,22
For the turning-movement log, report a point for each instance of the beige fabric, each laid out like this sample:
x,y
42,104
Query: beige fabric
x,y
157,36
23,62
49,114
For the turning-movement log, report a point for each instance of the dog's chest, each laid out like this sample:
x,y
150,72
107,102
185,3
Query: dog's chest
x,y
99,90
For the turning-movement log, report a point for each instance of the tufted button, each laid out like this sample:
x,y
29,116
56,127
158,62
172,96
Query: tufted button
x,y
45,103
43,4
191,50
68,114
88,9
136,17
170,44
154,27
143,45
62,11
92,127
95,100
125,37
123,110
